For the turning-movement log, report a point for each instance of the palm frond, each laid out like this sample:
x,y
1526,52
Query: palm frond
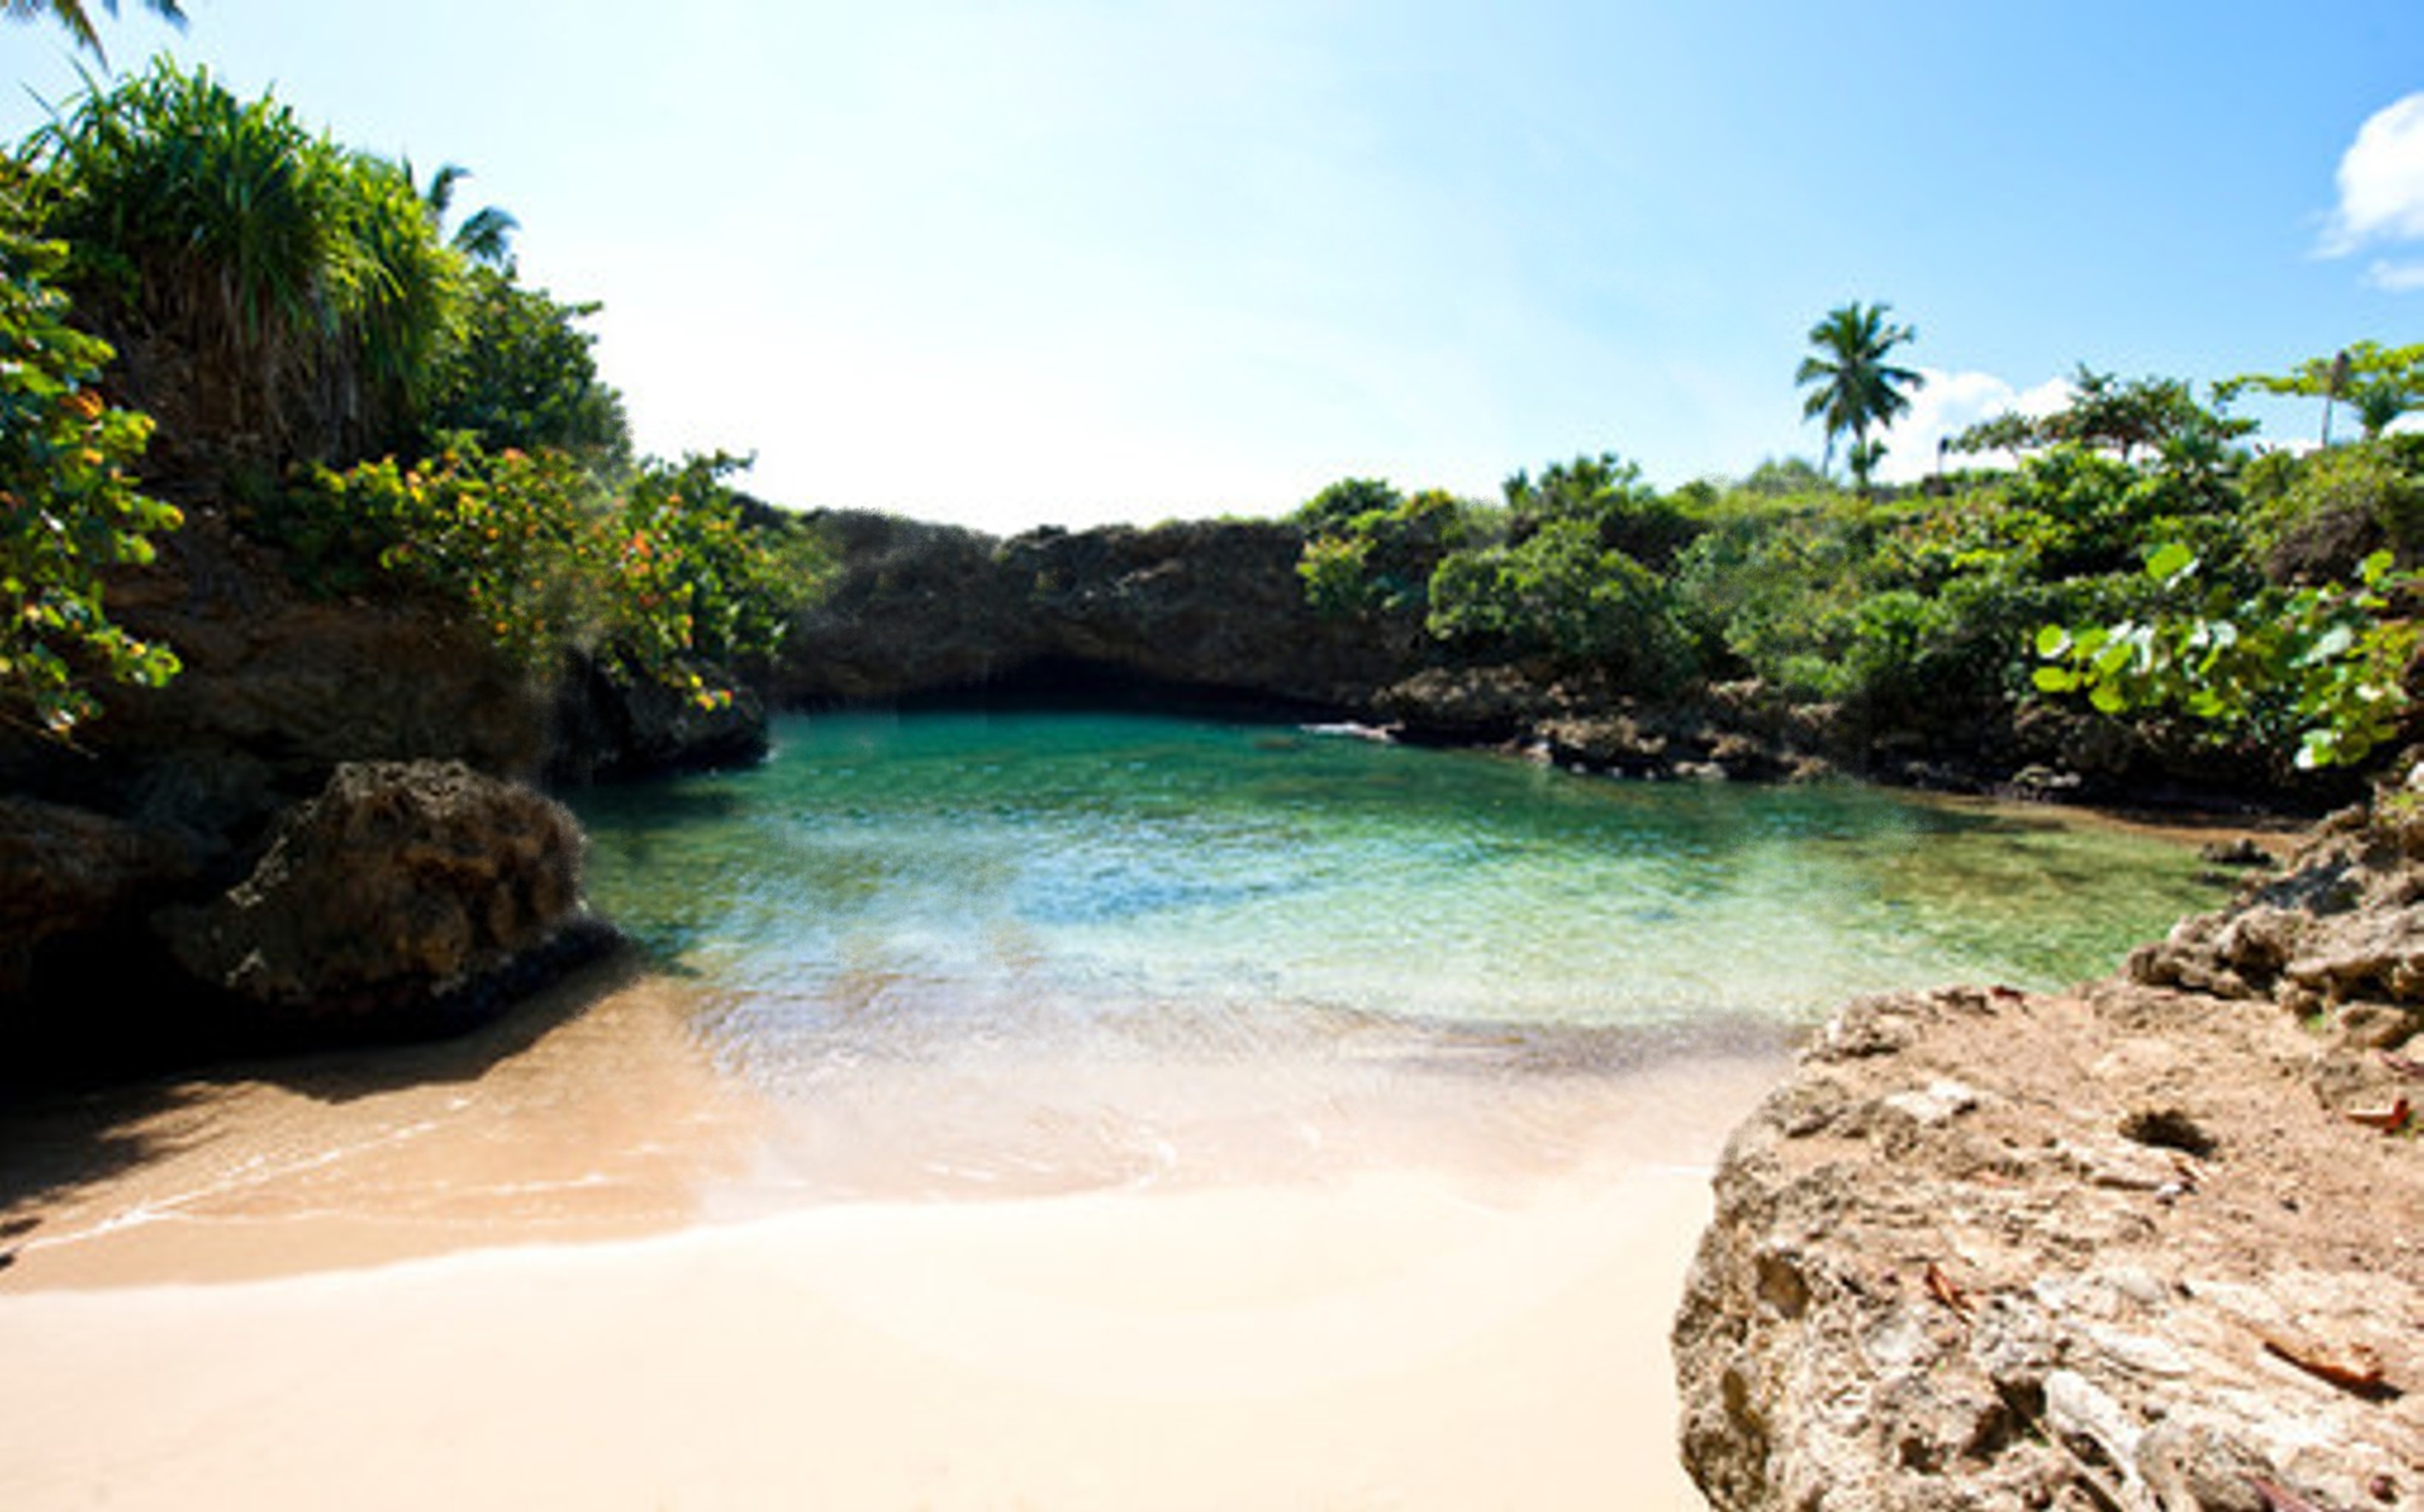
x,y
487,237
71,14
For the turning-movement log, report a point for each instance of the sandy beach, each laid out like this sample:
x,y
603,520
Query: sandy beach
x,y
552,1269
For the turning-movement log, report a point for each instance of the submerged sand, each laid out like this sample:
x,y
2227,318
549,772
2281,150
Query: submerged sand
x,y
577,1263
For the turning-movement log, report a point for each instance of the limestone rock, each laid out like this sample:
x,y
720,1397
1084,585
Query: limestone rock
x,y
615,725
400,885
1211,605
1990,1251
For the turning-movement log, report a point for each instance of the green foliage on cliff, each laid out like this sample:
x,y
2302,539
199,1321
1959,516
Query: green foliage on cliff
x,y
301,285
1371,550
70,509
519,372
1563,594
294,314
652,572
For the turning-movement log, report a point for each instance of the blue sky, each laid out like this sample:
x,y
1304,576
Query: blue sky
x,y
1071,260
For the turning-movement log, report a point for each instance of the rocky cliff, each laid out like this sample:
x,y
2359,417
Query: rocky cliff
x,y
1205,606
173,799
2153,1245
1217,608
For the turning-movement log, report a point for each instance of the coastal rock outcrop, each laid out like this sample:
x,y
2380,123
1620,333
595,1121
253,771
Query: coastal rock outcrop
x,y
2152,1246
64,870
386,897
1212,605
1217,607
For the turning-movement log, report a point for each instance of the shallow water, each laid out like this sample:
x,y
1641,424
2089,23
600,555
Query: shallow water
x,y
941,887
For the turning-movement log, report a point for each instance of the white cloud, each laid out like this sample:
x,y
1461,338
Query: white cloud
x,y
2381,188
2397,278
1947,404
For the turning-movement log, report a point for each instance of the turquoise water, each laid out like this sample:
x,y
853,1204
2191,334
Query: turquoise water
x,y
886,885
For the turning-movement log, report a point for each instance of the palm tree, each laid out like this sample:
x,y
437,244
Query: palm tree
x,y
1858,388
70,14
486,236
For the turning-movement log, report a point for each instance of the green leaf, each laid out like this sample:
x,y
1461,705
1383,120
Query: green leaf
x,y
2052,640
2170,563
2329,646
2055,680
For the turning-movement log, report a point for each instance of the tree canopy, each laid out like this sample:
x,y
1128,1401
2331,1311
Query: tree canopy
x,y
299,323
2380,383
2107,413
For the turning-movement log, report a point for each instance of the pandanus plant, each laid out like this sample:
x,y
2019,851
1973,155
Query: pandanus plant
x,y
273,295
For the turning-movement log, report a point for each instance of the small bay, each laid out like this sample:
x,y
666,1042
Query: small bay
x,y
907,887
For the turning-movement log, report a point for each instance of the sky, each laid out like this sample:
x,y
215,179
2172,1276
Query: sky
x,y
1068,261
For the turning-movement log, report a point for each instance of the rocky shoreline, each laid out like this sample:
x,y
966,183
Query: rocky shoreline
x,y
2150,1246
1199,610
180,792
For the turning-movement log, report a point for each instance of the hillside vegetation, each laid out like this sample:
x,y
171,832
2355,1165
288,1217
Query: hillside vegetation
x,y
2156,573
210,307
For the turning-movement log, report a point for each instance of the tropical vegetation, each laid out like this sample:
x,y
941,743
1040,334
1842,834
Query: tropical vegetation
x,y
70,508
1855,388
78,21
314,357
210,305
2139,564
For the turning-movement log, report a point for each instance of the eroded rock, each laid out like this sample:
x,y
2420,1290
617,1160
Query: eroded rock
x,y
401,885
1983,1249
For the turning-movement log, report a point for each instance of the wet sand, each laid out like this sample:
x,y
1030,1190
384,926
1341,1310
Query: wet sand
x,y
581,1265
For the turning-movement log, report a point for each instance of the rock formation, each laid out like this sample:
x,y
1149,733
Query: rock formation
x,y
173,796
2153,1245
1216,607
389,895
1207,605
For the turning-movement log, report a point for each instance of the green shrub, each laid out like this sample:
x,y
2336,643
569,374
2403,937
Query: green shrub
x,y
69,507
1370,549
521,372
2317,672
651,575
306,283
1559,593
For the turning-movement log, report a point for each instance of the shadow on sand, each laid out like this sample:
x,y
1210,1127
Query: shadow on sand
x,y
60,1138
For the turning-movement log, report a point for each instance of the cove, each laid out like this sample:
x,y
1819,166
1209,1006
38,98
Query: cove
x,y
904,886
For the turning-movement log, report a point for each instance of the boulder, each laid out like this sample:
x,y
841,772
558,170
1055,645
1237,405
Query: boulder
x,y
387,901
2147,1246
